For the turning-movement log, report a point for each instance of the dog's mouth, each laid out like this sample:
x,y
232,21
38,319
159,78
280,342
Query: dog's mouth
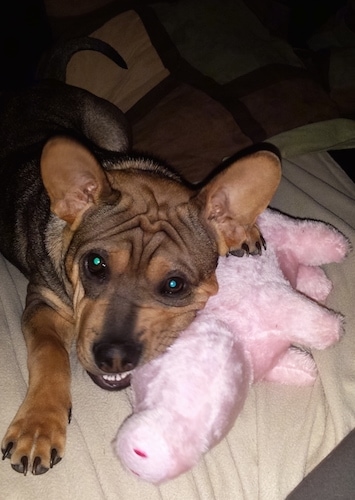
x,y
112,381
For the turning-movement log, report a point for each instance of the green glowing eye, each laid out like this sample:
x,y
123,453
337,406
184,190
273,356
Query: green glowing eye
x,y
96,261
173,285
96,265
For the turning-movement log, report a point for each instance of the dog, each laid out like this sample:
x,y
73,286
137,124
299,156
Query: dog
x,y
119,251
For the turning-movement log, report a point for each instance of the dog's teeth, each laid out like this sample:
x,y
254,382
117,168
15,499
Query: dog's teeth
x,y
117,377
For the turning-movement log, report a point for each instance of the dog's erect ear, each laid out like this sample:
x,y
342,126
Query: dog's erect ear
x,y
234,198
72,177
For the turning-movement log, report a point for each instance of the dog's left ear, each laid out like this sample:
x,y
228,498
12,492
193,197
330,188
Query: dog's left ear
x,y
234,198
72,177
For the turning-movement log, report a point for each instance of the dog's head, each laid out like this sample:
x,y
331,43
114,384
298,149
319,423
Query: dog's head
x,y
140,246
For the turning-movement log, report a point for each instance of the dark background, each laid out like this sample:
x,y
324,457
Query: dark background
x,y
26,33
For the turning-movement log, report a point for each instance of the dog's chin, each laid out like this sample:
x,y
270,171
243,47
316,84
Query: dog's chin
x,y
112,382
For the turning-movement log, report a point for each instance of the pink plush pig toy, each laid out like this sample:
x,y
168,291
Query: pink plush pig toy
x,y
187,399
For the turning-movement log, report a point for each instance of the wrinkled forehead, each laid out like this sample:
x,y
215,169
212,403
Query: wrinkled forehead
x,y
150,186
141,229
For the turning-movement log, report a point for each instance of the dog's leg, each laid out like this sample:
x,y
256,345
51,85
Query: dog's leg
x,y
35,439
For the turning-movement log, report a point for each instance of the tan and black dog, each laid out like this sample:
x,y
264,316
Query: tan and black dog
x,y
120,253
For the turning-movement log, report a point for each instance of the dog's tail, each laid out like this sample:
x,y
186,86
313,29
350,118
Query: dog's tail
x,y
53,64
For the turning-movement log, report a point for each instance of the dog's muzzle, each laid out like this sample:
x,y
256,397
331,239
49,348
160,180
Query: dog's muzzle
x,y
117,360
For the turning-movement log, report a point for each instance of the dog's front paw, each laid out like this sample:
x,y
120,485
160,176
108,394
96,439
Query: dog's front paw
x,y
253,243
35,440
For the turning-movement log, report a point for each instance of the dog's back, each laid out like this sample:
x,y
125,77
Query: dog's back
x,y
49,108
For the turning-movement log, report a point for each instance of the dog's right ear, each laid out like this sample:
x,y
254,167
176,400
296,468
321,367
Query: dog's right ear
x,y
72,177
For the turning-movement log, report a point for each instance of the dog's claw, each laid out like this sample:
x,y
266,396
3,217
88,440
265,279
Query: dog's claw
x,y
22,467
6,452
245,248
237,253
55,458
258,250
38,468
69,415
263,241
240,252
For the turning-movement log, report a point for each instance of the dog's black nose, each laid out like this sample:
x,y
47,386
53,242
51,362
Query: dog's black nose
x,y
117,357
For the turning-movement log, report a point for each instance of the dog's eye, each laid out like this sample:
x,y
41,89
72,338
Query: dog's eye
x,y
173,285
96,265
